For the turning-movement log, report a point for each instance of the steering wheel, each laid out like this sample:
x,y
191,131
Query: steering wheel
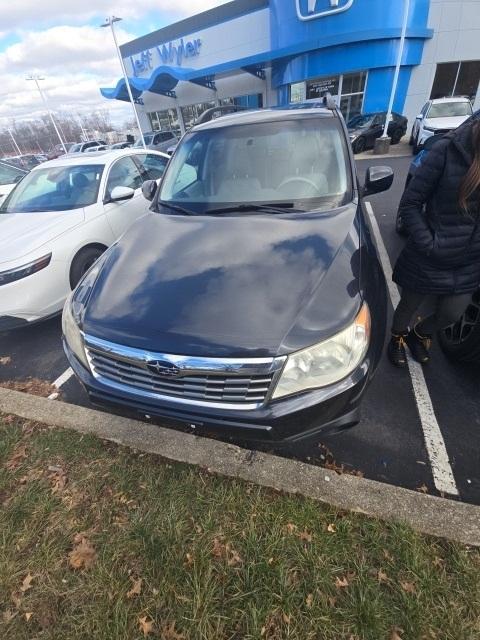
x,y
298,179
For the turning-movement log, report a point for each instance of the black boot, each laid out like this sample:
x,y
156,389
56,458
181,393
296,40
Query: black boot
x,y
396,350
419,346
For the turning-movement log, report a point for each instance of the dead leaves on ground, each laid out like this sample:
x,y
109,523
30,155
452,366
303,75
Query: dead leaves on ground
x,y
57,477
225,551
19,454
408,587
136,588
382,577
145,625
422,489
34,386
4,360
83,555
342,583
27,583
292,529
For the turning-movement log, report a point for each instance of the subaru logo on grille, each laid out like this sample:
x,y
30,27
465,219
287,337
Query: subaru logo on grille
x,y
310,9
163,368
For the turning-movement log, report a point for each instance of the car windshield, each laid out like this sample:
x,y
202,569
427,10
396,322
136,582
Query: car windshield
x,y
148,137
361,121
300,163
55,189
450,110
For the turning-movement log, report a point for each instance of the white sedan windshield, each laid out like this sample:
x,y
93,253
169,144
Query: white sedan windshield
x,y
300,160
55,189
450,110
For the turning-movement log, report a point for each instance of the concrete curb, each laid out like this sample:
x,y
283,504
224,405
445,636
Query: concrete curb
x,y
424,513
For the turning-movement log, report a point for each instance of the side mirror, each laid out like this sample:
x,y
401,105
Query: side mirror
x,y
149,189
378,179
121,193
419,117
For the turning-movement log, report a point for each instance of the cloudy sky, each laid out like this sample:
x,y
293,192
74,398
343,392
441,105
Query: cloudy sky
x,y
61,40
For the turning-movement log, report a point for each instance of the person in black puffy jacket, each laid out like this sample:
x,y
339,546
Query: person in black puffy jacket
x,y
440,264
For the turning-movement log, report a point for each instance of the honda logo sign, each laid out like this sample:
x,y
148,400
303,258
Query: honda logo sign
x,y
311,9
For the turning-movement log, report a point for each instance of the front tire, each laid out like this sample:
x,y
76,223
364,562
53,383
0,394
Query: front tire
x,y
396,137
461,341
416,146
360,145
82,262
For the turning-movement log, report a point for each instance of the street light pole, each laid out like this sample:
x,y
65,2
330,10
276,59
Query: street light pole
x,y
36,79
109,22
401,49
14,142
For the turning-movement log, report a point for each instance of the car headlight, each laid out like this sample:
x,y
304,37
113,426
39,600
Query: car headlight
x,y
326,362
25,270
73,311
72,334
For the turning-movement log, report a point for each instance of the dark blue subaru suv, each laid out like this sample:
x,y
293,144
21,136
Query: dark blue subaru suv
x,y
250,301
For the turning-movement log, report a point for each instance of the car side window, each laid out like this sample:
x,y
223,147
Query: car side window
x,y
124,173
153,165
10,175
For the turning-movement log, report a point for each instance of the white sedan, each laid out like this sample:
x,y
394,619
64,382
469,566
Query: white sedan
x,y
59,219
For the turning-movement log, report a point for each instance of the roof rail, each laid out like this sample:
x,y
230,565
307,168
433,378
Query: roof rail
x,y
329,101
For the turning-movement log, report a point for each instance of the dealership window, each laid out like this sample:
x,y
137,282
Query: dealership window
x,y
192,112
456,79
251,101
166,120
297,92
348,89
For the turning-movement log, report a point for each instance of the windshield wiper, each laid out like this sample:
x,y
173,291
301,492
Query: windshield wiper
x,y
277,207
175,207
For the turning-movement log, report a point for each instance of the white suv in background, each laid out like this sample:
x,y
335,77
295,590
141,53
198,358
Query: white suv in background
x,y
439,117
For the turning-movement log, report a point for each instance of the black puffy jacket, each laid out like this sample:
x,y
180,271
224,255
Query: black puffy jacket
x,y
442,255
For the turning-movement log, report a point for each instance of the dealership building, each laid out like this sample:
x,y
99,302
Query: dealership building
x,y
262,53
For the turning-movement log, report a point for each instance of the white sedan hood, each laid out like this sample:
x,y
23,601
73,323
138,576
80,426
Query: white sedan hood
x,y
445,123
22,233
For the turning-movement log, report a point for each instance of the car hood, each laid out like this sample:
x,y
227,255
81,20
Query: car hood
x,y
22,233
232,286
445,123
357,131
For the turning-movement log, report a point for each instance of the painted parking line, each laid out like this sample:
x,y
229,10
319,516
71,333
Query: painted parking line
x,y
60,381
437,452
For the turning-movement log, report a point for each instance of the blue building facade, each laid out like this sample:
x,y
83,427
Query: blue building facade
x,y
276,52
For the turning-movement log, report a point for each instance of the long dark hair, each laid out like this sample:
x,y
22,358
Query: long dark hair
x,y
471,182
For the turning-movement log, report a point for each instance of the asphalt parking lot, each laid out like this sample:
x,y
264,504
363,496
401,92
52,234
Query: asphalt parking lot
x,y
417,431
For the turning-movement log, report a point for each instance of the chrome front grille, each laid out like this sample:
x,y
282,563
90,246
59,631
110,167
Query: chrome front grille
x,y
229,383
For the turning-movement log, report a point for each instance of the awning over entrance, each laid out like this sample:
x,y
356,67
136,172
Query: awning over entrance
x,y
164,79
